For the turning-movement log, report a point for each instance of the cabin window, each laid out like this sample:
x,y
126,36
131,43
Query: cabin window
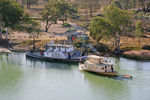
x,y
96,67
102,68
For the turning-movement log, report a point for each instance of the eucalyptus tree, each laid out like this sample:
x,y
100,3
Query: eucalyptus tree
x,y
55,10
11,14
30,2
125,4
96,27
33,28
139,30
116,4
93,5
50,14
113,25
66,9
89,6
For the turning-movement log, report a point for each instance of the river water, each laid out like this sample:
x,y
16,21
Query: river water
x,y
24,78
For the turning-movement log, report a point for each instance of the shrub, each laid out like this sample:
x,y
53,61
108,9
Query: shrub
x,y
3,31
66,24
71,30
86,24
140,15
78,43
75,17
101,47
146,47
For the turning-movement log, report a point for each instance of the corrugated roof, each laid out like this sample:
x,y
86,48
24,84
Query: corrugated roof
x,y
58,45
94,56
99,64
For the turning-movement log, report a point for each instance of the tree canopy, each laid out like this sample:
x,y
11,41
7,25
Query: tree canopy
x,y
13,16
11,13
90,6
57,10
139,30
113,24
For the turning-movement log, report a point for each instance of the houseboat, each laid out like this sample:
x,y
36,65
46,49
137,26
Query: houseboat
x,y
59,52
98,65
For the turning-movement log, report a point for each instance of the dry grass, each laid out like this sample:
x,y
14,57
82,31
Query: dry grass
x,y
142,54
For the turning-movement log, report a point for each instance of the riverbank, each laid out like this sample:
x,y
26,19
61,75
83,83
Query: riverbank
x,y
138,55
4,50
19,40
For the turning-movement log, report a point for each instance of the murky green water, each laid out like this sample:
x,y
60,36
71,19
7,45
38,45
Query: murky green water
x,y
22,78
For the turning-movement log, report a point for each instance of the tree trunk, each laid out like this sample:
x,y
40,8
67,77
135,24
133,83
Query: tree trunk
x,y
91,11
22,2
46,29
1,30
47,25
6,34
33,43
117,45
28,5
0,33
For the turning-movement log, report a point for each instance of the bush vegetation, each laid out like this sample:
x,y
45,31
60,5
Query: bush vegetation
x,y
66,24
71,30
101,47
78,43
146,47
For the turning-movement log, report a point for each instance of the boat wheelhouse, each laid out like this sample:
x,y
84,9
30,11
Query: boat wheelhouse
x,y
98,65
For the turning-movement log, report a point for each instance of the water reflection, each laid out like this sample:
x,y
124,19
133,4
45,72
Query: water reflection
x,y
128,64
10,76
37,63
110,87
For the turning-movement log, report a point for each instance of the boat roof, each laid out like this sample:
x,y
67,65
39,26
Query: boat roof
x,y
99,64
94,56
58,45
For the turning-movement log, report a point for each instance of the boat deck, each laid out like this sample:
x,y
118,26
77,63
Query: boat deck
x,y
40,56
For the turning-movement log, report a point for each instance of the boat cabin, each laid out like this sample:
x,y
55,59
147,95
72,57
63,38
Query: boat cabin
x,y
96,63
98,60
59,47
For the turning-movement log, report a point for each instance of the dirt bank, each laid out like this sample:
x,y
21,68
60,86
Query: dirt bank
x,y
4,50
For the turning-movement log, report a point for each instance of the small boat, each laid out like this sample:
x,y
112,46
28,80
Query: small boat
x,y
127,76
98,65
